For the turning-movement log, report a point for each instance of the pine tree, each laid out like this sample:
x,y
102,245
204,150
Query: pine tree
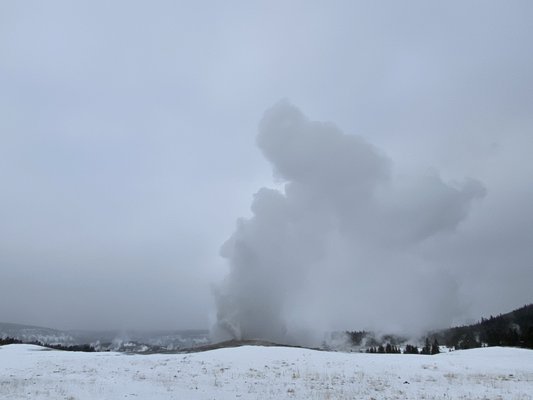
x,y
427,348
435,347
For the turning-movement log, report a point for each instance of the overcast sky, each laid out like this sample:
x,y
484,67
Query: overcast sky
x,y
128,141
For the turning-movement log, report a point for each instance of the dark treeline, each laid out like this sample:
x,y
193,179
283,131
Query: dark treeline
x,y
78,347
511,329
429,349
387,349
390,344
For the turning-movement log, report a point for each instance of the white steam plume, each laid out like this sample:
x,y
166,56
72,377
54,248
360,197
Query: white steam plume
x,y
338,247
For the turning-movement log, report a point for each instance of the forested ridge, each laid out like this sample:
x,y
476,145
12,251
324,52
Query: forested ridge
x,y
511,329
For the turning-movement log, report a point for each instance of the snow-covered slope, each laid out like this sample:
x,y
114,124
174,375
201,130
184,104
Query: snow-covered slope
x,y
254,372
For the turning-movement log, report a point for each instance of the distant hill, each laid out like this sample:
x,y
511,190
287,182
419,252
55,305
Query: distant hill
x,y
512,329
129,341
29,333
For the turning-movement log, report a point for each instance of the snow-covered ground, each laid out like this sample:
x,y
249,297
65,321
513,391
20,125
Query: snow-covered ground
x,y
254,372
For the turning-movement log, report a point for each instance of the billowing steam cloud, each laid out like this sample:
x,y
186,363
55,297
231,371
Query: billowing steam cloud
x,y
338,247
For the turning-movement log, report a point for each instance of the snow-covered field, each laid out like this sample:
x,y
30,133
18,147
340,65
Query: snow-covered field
x,y
254,372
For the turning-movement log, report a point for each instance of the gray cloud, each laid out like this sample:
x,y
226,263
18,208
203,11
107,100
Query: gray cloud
x,y
127,151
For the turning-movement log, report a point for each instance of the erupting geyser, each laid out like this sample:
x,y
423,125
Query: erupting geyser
x,y
339,246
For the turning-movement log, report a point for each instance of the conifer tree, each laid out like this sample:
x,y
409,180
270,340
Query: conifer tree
x,y
435,347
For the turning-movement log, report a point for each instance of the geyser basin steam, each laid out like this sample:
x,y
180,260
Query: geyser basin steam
x,y
339,246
